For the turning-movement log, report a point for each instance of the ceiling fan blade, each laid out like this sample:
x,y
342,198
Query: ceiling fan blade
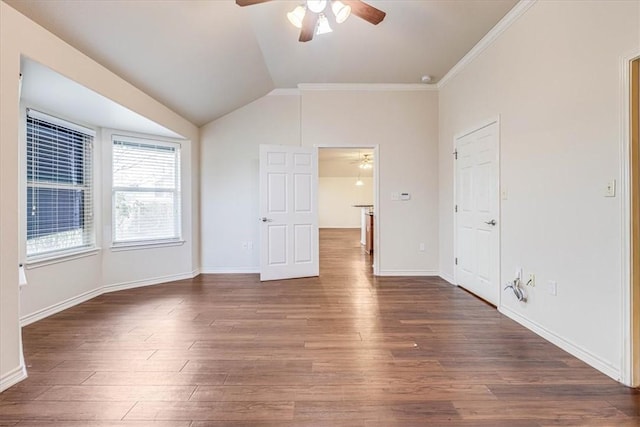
x,y
365,11
308,26
250,2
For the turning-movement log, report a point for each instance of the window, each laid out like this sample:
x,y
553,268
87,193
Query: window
x,y
146,191
59,186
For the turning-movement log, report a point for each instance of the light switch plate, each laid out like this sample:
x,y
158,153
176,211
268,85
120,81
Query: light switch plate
x,y
611,189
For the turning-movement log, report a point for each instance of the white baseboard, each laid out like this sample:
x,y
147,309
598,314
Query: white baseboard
x,y
231,270
424,273
448,278
13,377
86,296
575,350
342,227
58,307
145,282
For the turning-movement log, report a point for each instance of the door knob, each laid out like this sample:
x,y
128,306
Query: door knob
x,y
265,219
492,222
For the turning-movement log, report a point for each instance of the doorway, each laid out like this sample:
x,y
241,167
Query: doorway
x,y
347,211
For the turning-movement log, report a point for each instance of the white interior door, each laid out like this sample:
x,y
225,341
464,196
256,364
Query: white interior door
x,y
477,213
288,212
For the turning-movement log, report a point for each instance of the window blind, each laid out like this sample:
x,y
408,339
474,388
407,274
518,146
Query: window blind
x,y
59,186
146,191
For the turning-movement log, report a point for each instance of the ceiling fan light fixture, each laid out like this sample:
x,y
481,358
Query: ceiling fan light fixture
x,y
316,6
296,16
341,11
323,25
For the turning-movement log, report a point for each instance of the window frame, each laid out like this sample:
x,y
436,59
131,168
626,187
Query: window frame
x,y
121,245
90,245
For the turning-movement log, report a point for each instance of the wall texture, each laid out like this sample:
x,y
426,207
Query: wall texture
x,y
553,77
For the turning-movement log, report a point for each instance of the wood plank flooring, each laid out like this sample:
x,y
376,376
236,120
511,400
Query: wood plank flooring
x,y
344,349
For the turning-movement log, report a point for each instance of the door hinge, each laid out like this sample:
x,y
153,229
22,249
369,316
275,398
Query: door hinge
x,y
456,260
455,154
456,208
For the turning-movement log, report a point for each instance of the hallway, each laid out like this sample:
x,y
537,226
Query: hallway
x,y
344,349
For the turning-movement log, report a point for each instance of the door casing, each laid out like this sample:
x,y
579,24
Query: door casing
x,y
376,195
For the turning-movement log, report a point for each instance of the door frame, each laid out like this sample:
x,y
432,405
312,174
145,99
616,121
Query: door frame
x,y
376,194
630,204
479,125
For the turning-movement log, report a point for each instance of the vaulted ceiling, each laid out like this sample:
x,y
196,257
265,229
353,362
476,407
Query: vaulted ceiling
x,y
205,58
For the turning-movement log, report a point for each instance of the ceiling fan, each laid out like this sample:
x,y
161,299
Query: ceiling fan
x,y
311,17
364,162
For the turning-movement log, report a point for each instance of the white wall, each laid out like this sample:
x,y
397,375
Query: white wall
x,y
20,36
404,124
336,197
229,179
554,79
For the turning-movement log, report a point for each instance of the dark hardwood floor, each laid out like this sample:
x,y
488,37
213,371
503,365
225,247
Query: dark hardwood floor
x,y
344,349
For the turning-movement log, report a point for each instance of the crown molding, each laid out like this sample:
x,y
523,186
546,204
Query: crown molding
x,y
368,87
511,17
284,91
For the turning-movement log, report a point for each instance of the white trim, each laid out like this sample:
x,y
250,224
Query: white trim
x,y
140,244
13,377
230,270
568,346
626,337
58,307
403,273
146,282
86,296
368,87
60,257
284,92
342,227
448,278
512,16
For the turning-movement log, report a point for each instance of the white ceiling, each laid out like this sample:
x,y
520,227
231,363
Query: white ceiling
x,y
204,59
342,162
44,89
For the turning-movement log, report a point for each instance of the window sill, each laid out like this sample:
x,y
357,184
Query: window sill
x,y
133,246
59,258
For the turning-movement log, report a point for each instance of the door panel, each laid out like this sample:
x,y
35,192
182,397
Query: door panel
x,y
303,243
302,191
477,217
288,212
278,247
